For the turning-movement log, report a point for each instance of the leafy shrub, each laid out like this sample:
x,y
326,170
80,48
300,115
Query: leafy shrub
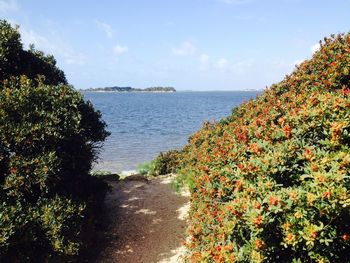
x,y
48,138
10,50
34,62
15,61
167,163
272,182
164,163
106,175
146,168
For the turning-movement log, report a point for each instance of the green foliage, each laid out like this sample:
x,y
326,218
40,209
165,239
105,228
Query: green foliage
x,y
49,137
146,168
164,163
167,163
271,182
10,50
181,181
107,175
34,62
15,61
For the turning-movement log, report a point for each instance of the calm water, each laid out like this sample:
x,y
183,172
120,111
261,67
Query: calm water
x,y
144,124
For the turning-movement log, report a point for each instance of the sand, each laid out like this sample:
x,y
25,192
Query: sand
x,y
147,221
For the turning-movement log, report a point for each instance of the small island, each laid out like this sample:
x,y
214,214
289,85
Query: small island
x,y
130,89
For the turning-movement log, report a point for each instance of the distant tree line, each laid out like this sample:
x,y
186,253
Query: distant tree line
x,y
130,89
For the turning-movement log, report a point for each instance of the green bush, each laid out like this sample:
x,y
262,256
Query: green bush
x,y
106,175
164,163
146,168
49,137
14,61
271,182
167,163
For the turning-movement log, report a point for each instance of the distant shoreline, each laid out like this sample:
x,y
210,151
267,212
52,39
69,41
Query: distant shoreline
x,y
178,91
113,91
130,89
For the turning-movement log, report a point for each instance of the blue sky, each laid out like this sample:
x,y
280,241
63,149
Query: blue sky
x,y
188,44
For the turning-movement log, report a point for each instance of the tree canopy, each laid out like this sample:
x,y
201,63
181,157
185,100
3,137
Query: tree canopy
x,y
15,61
49,137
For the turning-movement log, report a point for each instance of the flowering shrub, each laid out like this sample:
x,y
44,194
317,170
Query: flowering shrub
x,y
271,182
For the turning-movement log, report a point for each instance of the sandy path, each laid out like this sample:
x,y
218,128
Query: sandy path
x,y
147,222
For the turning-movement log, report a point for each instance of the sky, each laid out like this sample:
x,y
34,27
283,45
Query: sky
x,y
187,44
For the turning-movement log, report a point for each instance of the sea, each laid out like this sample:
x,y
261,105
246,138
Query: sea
x,y
143,124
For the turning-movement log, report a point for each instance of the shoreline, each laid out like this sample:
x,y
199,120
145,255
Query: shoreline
x,y
178,91
111,91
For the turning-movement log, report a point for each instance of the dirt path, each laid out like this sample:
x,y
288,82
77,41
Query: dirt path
x,y
147,222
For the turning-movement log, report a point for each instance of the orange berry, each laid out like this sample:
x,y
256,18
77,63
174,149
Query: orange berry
x,y
287,131
327,194
314,234
228,247
273,201
257,205
258,220
259,244
345,237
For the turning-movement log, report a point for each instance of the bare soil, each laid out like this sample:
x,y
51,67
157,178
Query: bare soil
x,y
147,222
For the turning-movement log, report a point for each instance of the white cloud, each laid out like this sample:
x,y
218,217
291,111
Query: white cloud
x,y
118,50
106,28
8,6
77,59
315,48
204,58
243,67
222,64
187,48
54,45
236,2
204,62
